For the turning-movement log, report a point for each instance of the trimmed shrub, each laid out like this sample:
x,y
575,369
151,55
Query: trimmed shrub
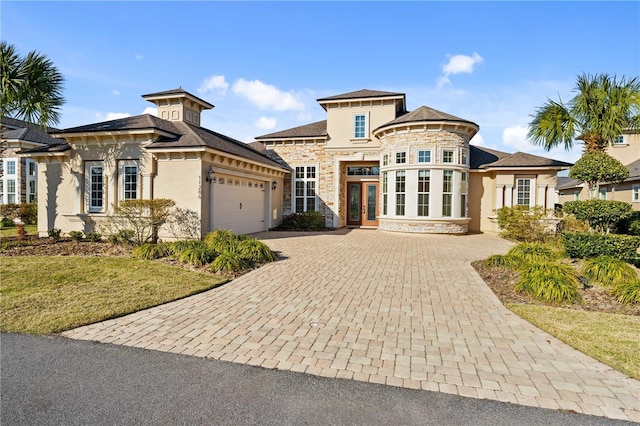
x,y
310,220
608,271
5,222
54,234
628,292
602,215
122,237
550,282
26,212
524,223
255,251
586,244
94,237
151,251
75,235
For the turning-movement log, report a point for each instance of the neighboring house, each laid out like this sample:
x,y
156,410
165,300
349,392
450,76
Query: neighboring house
x,y
626,149
19,175
373,164
227,183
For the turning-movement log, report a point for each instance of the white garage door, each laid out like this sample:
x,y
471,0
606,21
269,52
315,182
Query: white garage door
x,y
239,205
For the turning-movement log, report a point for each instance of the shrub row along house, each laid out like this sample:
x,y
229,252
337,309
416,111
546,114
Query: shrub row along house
x,y
371,163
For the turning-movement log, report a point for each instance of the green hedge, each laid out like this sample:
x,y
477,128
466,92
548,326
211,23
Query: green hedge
x,y
305,221
602,215
586,244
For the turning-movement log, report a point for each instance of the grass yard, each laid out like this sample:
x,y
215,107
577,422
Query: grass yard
x,y
609,338
13,231
46,294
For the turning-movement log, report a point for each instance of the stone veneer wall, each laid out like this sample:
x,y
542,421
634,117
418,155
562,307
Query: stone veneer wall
x,y
425,226
435,140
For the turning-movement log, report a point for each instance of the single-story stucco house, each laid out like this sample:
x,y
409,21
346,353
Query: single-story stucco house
x,y
371,163
624,148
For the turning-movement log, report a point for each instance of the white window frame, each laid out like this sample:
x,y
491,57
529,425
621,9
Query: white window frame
x,y
517,191
309,182
464,189
421,151
424,191
464,157
15,167
635,193
123,165
385,192
602,193
447,194
401,192
395,157
32,168
31,195
619,140
453,156
355,127
12,193
90,166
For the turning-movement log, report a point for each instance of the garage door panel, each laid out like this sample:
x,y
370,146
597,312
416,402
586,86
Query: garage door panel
x,y
239,208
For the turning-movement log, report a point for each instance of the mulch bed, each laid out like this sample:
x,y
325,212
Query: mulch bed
x,y
34,246
594,298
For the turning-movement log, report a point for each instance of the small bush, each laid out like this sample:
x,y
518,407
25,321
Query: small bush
x,y
229,262
608,271
585,245
306,221
255,251
197,255
94,237
28,213
54,234
634,227
503,261
602,215
75,235
178,247
628,292
550,282
570,223
122,237
524,223
151,251
7,223
531,252
221,240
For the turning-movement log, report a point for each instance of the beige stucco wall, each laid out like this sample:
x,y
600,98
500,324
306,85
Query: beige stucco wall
x,y
628,152
621,192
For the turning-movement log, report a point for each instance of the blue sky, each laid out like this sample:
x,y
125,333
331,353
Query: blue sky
x,y
264,64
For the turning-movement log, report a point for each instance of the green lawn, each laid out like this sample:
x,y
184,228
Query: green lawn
x,y
610,338
13,231
43,295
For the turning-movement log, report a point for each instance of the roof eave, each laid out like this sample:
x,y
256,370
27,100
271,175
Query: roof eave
x,y
140,131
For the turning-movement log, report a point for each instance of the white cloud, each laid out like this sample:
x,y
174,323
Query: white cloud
x,y
112,116
266,96
265,123
151,110
215,83
115,92
458,64
516,136
477,140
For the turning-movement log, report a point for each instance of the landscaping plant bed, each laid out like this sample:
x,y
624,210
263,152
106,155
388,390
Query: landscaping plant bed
x,y
594,298
34,246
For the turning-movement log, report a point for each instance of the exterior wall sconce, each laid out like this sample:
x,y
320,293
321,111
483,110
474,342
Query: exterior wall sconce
x,y
209,177
274,185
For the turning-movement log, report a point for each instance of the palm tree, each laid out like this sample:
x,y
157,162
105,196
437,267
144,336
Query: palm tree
x,y
31,87
601,110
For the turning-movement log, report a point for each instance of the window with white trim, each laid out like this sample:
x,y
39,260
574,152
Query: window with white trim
x,y
576,196
11,191
401,157
129,176
447,193
635,194
602,193
619,140
385,160
31,166
401,186
523,192
305,183
464,158
448,156
359,126
11,167
385,189
95,186
31,194
424,156
424,189
463,194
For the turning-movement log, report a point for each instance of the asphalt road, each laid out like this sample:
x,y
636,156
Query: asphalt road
x,y
59,381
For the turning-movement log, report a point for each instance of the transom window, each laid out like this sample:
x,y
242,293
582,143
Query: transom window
x,y
424,156
305,188
360,125
424,184
363,170
401,185
523,192
448,156
401,157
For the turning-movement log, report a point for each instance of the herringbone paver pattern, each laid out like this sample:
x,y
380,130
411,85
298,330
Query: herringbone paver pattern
x,y
397,309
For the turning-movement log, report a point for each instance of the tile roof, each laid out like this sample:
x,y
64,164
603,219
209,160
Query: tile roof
x,y
317,129
137,122
359,94
30,135
14,122
482,158
425,113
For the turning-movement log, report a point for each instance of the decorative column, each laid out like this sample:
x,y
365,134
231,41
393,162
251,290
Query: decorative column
x,y
499,196
541,197
508,196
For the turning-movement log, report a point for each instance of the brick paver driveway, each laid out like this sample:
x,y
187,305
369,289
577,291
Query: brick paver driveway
x,y
403,310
